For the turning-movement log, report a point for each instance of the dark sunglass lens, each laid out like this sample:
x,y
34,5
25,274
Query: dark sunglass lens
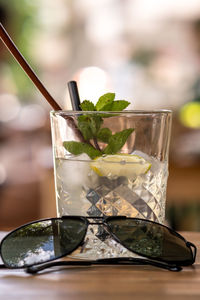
x,y
151,240
42,241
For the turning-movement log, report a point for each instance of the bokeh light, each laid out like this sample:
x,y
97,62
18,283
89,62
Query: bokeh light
x,y
30,117
92,82
3,174
9,107
190,115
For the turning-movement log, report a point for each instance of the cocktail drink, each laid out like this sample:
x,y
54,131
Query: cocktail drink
x,y
106,163
126,174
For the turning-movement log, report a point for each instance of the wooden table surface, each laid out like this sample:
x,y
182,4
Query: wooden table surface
x,y
104,282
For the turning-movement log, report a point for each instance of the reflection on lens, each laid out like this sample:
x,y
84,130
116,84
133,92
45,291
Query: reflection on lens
x,y
150,240
42,241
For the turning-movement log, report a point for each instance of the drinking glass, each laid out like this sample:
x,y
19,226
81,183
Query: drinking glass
x,y
131,182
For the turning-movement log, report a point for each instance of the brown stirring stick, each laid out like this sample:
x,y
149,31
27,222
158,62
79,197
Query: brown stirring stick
x,y
23,63
21,60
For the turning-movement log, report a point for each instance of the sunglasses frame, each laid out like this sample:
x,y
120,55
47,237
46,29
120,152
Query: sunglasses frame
x,y
103,221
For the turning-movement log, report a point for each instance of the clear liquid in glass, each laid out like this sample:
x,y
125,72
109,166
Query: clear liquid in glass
x,y
81,191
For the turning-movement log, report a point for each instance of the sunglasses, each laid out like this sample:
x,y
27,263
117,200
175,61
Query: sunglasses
x,y
47,240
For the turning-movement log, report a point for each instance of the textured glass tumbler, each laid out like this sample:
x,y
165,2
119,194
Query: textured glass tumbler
x,y
129,179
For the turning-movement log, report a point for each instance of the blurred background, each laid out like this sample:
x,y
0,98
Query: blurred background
x,y
146,51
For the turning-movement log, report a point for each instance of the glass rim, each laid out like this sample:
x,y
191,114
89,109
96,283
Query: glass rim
x,y
125,112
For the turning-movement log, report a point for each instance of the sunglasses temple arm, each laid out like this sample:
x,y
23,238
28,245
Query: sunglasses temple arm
x,y
36,269
194,252
138,261
106,261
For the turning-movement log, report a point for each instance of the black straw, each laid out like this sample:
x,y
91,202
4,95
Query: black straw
x,y
74,95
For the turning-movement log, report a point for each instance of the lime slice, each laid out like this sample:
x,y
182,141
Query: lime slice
x,y
120,165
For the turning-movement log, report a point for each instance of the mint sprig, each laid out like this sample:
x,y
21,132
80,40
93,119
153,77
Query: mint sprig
x,y
90,127
117,141
78,148
87,105
105,103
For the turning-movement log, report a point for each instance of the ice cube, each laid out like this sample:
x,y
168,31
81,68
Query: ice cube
x,y
142,154
156,165
81,157
72,172
71,177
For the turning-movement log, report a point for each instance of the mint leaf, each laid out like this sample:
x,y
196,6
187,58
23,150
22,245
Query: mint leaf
x,y
117,141
87,105
77,148
105,102
104,134
89,125
84,127
95,124
119,105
